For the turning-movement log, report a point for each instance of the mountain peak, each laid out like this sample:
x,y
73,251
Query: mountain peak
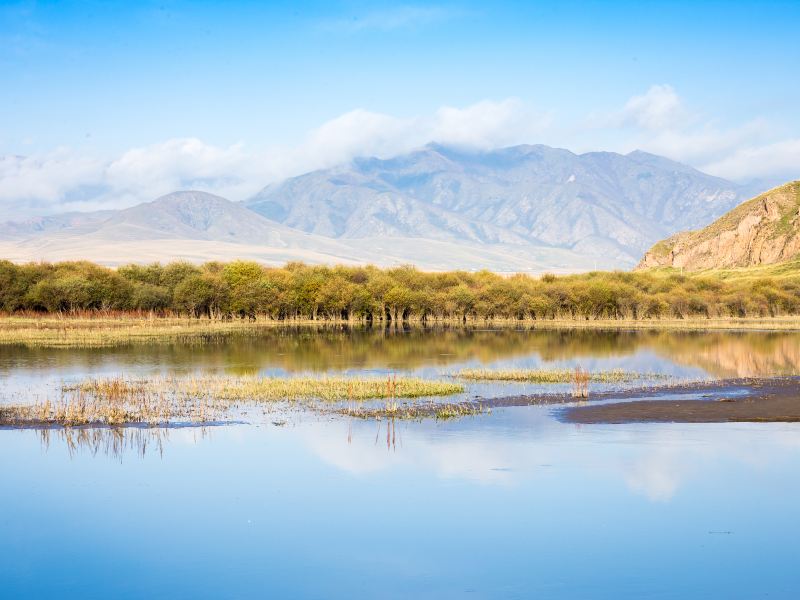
x,y
597,203
195,197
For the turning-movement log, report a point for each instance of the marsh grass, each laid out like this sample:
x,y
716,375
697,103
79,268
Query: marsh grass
x,y
201,399
256,389
111,403
416,411
554,375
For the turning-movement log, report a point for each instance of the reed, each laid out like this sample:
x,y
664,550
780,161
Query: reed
x,y
85,410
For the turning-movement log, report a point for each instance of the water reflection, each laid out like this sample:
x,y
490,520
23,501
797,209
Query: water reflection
x,y
516,446
112,442
512,504
723,354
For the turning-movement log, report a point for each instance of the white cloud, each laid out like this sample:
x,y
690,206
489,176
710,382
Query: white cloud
x,y
63,181
488,124
703,143
657,121
359,132
657,108
767,161
45,178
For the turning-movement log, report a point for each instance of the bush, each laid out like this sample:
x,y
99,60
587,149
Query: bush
x,y
247,290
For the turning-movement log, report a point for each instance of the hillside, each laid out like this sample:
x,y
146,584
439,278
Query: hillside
x,y
762,231
596,204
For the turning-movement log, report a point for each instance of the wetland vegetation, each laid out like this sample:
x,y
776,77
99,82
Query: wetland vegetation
x,y
364,372
268,389
202,399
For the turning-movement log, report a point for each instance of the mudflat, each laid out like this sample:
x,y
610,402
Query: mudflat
x,y
740,400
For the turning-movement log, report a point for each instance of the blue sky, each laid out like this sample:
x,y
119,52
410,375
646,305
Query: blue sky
x,y
97,95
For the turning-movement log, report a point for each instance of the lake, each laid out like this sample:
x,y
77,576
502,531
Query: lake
x,y
515,503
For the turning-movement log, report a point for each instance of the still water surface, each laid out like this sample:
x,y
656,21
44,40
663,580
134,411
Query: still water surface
x,y
514,504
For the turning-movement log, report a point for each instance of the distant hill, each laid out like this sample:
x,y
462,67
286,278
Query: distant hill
x,y
73,222
198,226
597,204
764,230
189,215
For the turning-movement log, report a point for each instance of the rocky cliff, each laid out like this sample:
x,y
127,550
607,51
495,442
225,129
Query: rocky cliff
x,y
763,230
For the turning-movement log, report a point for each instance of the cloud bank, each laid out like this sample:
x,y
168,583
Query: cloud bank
x,y
657,120
62,181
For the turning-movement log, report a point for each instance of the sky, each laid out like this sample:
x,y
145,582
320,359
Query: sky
x,y
107,104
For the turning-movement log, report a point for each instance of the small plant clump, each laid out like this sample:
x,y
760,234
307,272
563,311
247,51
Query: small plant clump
x,y
82,409
417,411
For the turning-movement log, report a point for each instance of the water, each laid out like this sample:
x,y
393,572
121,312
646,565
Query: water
x,y
514,504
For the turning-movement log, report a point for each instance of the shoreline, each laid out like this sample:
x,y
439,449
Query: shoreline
x,y
754,399
105,331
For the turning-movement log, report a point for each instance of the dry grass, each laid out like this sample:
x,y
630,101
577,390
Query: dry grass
x,y
552,375
81,409
54,332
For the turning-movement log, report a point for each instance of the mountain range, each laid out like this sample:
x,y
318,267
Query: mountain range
x,y
523,208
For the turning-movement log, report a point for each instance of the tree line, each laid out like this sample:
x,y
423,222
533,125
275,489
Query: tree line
x,y
244,289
